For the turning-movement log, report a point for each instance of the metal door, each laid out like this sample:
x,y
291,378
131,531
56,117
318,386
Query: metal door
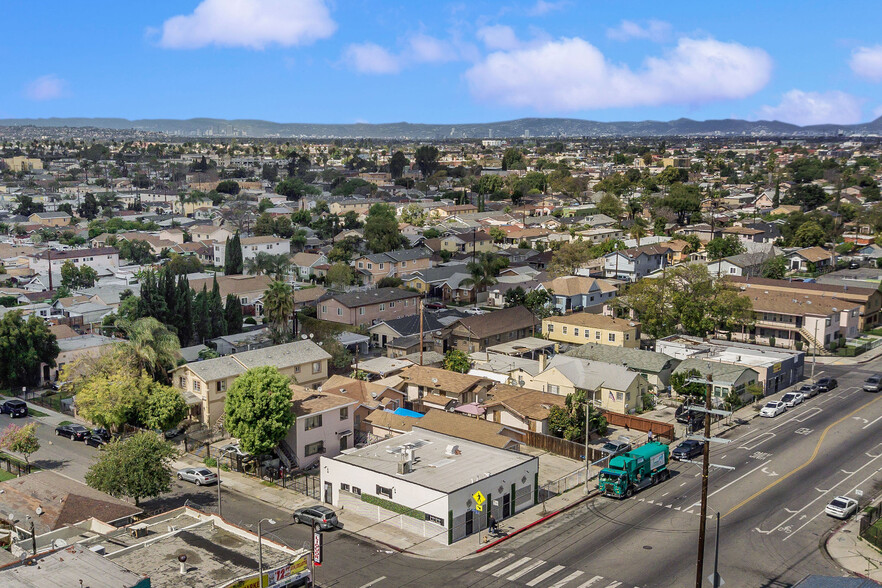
x,y
328,493
506,506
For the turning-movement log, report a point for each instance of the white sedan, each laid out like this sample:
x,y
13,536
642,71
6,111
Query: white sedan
x,y
841,507
773,409
791,399
199,476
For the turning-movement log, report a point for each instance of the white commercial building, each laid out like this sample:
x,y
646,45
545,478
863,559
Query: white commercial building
x,y
433,479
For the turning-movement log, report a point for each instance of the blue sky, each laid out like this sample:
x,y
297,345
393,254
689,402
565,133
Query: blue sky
x,y
446,62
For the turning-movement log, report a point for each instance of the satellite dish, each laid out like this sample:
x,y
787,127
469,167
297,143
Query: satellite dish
x,y
23,556
59,543
39,510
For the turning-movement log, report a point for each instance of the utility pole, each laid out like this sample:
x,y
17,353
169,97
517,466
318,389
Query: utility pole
x,y
702,524
716,580
421,331
814,349
587,436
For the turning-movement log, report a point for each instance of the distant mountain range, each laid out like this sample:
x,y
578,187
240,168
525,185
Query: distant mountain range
x,y
522,127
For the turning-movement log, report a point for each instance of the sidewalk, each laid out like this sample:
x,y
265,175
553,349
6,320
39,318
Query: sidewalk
x,y
836,360
852,553
386,533
52,418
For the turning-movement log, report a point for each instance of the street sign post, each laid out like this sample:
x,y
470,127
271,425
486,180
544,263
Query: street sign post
x,y
317,544
480,499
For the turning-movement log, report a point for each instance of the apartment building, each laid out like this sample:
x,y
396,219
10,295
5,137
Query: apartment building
x,y
585,327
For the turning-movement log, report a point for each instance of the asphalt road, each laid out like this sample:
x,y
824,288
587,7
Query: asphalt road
x,y
786,470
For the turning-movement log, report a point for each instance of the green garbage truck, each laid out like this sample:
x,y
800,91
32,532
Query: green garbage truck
x,y
635,470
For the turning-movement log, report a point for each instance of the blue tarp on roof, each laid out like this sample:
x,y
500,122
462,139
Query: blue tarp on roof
x,y
408,413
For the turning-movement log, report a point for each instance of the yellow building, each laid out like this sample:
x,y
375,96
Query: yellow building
x,y
585,327
22,163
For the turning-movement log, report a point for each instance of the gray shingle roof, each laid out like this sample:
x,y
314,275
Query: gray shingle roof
x,y
282,356
638,359
356,299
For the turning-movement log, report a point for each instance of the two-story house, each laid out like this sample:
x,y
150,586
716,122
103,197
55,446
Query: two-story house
x,y
476,333
248,289
468,242
324,425
364,308
586,327
251,246
429,387
576,293
392,264
205,383
50,219
305,264
98,258
635,263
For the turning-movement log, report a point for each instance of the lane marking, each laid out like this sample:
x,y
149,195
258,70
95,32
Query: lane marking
x,y
495,562
545,575
807,415
510,567
811,459
873,422
757,440
371,583
526,570
591,581
567,580
762,465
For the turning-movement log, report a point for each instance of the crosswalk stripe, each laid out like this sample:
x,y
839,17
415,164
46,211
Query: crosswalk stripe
x,y
495,562
545,575
510,567
591,581
568,579
614,584
526,570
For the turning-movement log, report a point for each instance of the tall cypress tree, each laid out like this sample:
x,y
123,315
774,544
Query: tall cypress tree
x,y
169,293
233,314
233,263
201,319
184,314
216,311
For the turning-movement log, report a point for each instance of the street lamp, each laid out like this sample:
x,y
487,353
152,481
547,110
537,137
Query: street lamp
x,y
218,462
260,550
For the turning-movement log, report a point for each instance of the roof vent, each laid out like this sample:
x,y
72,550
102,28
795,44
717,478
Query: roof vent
x,y
342,390
453,450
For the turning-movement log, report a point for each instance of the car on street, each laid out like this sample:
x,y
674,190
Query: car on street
x,y
841,507
683,414
873,383
434,305
791,399
322,516
102,434
95,441
808,390
854,265
199,476
233,449
14,408
616,447
174,432
687,449
75,432
773,408
474,311
826,384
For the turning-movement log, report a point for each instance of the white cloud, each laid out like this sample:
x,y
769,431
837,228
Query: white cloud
x,y
867,63
426,49
48,87
571,74
372,59
249,23
655,30
543,7
813,108
498,37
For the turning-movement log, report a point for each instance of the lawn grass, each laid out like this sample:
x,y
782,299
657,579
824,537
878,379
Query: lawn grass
x,y
36,413
62,423
4,475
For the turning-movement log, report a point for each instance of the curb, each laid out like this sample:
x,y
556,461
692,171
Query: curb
x,y
590,495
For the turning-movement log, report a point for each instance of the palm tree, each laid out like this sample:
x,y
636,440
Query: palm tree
x,y
279,266
483,275
278,306
259,264
638,230
153,347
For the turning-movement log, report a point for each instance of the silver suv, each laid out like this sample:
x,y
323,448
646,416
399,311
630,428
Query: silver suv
x,y
617,447
322,516
873,383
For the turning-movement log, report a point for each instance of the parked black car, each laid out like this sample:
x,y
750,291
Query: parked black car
x,y
102,434
683,414
826,384
95,441
14,408
75,432
687,449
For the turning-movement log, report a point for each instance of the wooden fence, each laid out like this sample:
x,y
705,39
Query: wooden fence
x,y
658,428
560,446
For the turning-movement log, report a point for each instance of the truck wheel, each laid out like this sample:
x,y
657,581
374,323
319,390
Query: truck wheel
x,y
665,475
629,492
654,480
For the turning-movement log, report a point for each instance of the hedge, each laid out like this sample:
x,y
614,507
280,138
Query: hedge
x,y
394,507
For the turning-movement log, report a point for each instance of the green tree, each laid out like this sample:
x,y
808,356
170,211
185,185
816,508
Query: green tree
x,y
264,225
233,314
164,407
456,361
154,348
680,382
381,229
22,440
569,422
775,268
414,215
569,258
540,303
340,274
88,209
515,297
25,344
397,164
278,308
610,206
513,158
426,158
233,264
724,247
809,234
258,409
294,189
683,200
228,187
139,467
497,234
137,251
113,396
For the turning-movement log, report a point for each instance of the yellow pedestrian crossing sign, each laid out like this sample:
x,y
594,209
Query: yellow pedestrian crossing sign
x,y
479,500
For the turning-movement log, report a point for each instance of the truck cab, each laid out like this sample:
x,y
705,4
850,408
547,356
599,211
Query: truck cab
x,y
635,470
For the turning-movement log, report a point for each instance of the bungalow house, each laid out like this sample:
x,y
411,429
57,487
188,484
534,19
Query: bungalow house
x,y
521,408
726,377
385,331
577,293
304,263
468,242
811,259
205,383
655,367
366,308
611,387
742,264
428,385
476,333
